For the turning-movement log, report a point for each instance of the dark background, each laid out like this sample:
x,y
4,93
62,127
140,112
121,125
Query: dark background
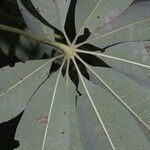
x,y
10,15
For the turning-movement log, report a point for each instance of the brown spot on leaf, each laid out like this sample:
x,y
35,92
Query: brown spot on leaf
x,y
37,9
42,119
98,17
111,18
102,132
147,48
62,132
112,81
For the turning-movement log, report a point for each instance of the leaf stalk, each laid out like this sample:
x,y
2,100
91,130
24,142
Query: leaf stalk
x,y
33,37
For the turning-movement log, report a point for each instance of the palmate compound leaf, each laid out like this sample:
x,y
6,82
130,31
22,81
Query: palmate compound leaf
x,y
131,59
106,121
110,117
17,85
94,13
49,121
54,12
131,25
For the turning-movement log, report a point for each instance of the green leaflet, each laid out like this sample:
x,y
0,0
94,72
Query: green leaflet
x,y
49,121
118,107
35,25
132,25
106,123
128,92
26,49
17,85
131,59
54,12
95,13
135,52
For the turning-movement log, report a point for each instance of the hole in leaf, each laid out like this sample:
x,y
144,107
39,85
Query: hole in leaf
x,y
62,132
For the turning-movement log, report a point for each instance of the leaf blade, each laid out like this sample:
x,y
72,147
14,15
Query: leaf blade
x,y
108,107
97,11
59,130
54,11
115,118
35,25
125,89
130,59
18,84
100,75
93,105
125,28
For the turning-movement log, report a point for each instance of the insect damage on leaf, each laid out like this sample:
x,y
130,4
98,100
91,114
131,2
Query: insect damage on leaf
x,y
102,132
147,48
42,119
62,132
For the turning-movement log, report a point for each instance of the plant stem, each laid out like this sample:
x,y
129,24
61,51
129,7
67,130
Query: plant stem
x,y
30,36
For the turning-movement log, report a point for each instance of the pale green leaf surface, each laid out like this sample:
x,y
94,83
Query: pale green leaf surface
x,y
135,52
17,84
60,131
54,11
127,92
35,25
120,126
27,49
94,13
132,25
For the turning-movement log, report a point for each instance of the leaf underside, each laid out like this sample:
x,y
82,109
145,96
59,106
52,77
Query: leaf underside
x,y
54,123
18,84
109,112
